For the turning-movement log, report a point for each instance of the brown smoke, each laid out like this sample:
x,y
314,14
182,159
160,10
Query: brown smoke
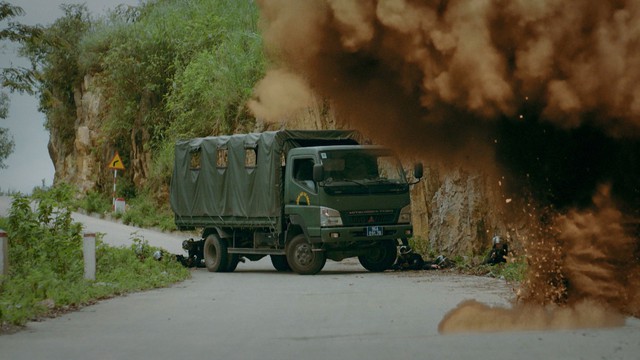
x,y
280,94
583,272
550,88
547,90
472,316
479,58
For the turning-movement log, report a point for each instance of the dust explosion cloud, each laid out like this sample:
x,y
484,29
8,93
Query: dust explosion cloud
x,y
547,92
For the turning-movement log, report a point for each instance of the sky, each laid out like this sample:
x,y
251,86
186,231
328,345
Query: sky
x,y
30,165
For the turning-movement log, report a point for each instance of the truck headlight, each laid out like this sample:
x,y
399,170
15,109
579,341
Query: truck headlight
x,y
329,217
405,215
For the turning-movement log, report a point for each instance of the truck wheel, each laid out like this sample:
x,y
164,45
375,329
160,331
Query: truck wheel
x,y
234,259
302,259
280,262
216,258
382,258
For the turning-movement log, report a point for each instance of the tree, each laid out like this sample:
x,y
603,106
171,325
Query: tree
x,y
53,53
17,78
6,140
14,79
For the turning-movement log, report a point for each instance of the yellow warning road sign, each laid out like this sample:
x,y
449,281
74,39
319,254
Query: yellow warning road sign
x,y
116,163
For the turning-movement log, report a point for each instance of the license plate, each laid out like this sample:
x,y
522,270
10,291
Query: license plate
x,y
374,230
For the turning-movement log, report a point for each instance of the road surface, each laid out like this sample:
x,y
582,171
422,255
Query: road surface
x,y
342,313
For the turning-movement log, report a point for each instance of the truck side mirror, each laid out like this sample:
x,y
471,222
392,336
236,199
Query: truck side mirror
x,y
418,171
318,173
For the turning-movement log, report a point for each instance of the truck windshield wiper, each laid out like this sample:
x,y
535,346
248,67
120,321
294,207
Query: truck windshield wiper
x,y
332,180
356,182
380,180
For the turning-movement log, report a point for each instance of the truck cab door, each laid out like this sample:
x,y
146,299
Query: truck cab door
x,y
301,191
301,181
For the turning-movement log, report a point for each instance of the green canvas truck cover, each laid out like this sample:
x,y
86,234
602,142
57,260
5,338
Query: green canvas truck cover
x,y
206,189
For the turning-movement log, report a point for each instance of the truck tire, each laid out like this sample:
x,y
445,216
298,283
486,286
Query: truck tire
x,y
234,259
302,259
381,258
216,258
280,262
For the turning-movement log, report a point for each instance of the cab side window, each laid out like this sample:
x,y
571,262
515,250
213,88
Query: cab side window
x,y
303,173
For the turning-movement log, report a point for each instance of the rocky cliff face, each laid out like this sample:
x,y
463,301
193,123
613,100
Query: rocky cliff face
x,y
455,212
76,161
83,160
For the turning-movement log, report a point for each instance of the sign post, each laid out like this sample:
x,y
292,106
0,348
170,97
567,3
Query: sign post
x,y
115,164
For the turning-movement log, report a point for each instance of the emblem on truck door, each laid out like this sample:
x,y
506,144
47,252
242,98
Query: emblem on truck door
x,y
303,195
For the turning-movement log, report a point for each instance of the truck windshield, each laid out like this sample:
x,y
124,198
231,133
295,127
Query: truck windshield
x,y
364,170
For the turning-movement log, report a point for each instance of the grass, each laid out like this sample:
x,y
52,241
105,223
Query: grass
x,y
46,273
422,247
95,203
513,270
143,211
43,292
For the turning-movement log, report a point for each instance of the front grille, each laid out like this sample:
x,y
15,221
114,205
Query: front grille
x,y
369,217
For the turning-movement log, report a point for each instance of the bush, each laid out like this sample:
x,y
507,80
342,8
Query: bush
x,y
95,202
46,239
143,211
61,194
130,268
47,270
512,270
422,247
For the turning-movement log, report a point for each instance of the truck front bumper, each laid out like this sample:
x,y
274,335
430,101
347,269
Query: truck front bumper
x,y
363,233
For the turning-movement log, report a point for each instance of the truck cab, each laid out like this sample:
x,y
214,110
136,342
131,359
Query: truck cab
x,y
348,200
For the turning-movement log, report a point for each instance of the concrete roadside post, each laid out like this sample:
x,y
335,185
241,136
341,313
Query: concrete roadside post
x,y
4,253
89,254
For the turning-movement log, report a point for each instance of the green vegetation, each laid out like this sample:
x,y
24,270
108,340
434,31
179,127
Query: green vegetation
x,y
143,212
166,70
46,266
513,270
6,140
422,247
20,33
91,202
95,203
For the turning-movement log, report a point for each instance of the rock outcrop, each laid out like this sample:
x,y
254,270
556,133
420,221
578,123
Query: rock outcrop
x,y
458,212
76,160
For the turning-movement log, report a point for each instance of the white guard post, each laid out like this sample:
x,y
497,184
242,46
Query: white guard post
x,y
89,254
4,253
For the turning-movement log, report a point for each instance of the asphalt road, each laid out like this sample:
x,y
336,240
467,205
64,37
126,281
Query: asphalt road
x,y
342,313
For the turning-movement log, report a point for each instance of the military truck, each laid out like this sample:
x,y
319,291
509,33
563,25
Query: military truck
x,y
300,197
